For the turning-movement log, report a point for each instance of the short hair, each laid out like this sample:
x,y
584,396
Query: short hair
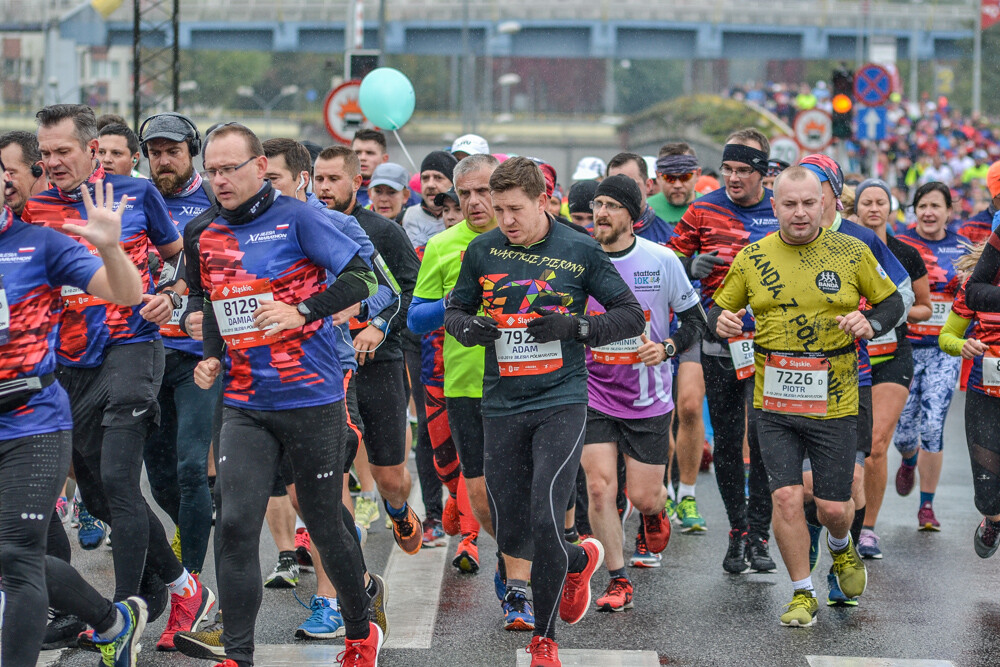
x,y
623,159
295,154
84,122
929,187
748,134
106,119
30,153
119,130
518,172
473,163
677,148
795,173
253,143
366,134
351,162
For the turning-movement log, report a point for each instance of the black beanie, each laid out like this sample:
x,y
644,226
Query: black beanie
x,y
441,161
580,196
623,190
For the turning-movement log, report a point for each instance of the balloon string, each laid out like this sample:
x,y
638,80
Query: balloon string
x,y
405,152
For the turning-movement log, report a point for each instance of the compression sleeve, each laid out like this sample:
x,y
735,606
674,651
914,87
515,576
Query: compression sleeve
x,y
713,318
425,315
355,283
691,327
981,292
886,313
192,263
623,318
213,345
952,336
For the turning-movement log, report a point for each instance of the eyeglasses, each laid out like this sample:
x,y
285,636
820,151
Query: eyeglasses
x,y
739,172
677,178
210,174
613,207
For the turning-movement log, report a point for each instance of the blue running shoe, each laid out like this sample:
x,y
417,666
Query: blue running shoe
x,y
93,532
517,612
814,534
325,622
123,650
836,598
499,584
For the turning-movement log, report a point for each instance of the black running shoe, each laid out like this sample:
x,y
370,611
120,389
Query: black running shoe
x,y
760,558
62,631
987,538
736,561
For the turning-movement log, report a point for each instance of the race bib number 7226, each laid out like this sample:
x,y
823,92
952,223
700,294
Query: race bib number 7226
x,y
234,305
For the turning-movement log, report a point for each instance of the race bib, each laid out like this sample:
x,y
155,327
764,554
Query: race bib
x,y
991,370
4,315
234,305
741,352
172,329
74,298
623,352
517,354
940,309
795,385
884,344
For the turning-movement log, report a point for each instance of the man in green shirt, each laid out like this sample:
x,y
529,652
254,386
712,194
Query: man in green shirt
x,y
677,172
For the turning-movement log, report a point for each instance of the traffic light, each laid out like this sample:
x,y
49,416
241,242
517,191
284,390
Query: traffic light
x,y
843,103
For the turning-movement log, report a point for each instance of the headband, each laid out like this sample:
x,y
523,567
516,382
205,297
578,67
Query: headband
x,y
676,164
747,155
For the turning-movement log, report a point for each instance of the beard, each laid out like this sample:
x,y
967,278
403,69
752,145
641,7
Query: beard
x,y
337,204
169,182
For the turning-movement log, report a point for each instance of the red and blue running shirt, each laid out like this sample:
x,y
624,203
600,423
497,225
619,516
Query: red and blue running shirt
x,y
88,325
939,257
985,329
284,254
34,264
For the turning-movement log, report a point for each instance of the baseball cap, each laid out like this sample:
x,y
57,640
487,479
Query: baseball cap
x,y
441,196
993,179
589,168
391,174
470,144
168,126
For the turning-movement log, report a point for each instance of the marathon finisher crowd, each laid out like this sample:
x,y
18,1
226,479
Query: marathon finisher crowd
x,y
253,333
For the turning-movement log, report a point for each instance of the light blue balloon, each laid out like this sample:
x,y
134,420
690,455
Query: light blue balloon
x,y
387,98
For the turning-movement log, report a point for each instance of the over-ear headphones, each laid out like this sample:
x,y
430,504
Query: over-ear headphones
x,y
193,142
37,171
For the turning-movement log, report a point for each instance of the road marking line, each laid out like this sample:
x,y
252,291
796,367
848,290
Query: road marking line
x,y
47,658
275,655
575,657
841,661
413,585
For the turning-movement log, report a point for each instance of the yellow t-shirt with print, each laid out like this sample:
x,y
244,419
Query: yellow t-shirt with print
x,y
796,293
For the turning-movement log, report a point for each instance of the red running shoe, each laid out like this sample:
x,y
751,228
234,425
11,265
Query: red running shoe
x,y
227,663
576,591
362,652
186,613
467,555
657,528
450,517
617,596
544,652
302,542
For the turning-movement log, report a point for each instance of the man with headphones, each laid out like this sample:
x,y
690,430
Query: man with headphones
x,y
118,150
19,152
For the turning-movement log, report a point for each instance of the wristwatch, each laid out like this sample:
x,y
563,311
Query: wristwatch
x,y
582,329
303,310
379,324
175,299
669,348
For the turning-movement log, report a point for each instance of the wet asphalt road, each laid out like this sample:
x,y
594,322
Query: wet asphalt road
x,y
931,599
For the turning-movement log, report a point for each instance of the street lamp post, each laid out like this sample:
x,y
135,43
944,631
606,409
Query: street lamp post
x,y
267,105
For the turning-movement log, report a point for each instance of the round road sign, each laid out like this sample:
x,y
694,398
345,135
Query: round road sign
x,y
872,85
784,148
813,130
342,112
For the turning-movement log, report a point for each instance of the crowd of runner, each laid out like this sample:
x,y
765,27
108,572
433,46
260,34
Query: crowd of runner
x,y
256,323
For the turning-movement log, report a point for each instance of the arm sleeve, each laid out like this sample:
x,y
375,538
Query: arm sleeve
x,y
886,313
952,336
691,327
623,319
354,283
192,262
213,345
713,316
981,292
425,315
402,261
896,272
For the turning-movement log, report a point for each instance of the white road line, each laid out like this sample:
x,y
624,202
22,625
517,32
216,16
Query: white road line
x,y
46,658
596,658
843,661
276,655
413,586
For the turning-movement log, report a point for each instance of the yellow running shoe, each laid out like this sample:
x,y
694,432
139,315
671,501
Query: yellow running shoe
x,y
850,570
365,511
175,543
801,610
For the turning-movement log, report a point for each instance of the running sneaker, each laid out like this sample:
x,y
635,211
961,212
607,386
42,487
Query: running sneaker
x,y
62,631
905,478
657,531
642,556
517,612
353,484
93,532
450,518
868,544
366,511
434,534
302,543
362,534
850,570
285,574
185,614
617,596
801,610
736,561
926,519
467,554
544,652
362,652
836,597
576,591
64,509
205,644
75,521
759,555
671,509
377,613
407,531
571,535
175,544
987,538
123,650
324,622
814,534
688,517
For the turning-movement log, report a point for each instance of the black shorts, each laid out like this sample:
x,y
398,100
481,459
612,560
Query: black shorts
x,y
382,398
898,370
355,427
830,444
645,440
465,417
865,420
283,477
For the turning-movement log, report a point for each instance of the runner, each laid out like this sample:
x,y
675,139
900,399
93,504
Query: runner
x,y
118,149
26,173
629,384
388,191
579,198
424,221
534,277
804,285
371,148
677,172
977,228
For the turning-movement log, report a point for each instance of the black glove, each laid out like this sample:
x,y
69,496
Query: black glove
x,y
702,265
480,331
552,326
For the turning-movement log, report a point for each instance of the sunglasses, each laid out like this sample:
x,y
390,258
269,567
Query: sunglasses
x,y
675,178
